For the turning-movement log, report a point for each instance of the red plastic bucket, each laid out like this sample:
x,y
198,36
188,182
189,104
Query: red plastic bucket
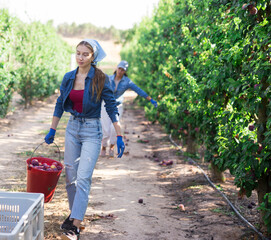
x,y
42,181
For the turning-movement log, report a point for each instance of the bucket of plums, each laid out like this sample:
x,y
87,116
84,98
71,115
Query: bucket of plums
x,y
42,175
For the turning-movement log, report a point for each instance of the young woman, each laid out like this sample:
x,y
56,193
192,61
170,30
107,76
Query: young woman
x,y
120,83
81,93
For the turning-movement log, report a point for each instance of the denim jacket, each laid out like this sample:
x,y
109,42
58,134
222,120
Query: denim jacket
x,y
124,84
91,107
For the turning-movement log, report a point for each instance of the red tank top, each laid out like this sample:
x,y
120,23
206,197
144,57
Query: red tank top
x,y
76,97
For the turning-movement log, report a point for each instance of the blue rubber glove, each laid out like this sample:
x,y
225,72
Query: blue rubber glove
x,y
154,103
50,136
120,145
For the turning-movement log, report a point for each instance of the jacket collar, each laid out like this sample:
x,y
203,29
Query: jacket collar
x,y
114,76
91,73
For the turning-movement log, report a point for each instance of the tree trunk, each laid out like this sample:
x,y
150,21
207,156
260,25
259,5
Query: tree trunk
x,y
217,175
201,151
264,187
191,145
263,183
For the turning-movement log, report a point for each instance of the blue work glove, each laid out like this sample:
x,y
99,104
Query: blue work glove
x,y
120,145
154,103
50,136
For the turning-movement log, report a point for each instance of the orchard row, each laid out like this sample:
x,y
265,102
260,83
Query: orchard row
x,y
33,59
208,63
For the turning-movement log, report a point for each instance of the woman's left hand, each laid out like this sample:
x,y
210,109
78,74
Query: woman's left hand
x,y
120,145
154,103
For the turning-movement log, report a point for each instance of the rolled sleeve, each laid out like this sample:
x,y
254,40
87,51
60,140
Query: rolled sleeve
x,y
110,102
58,112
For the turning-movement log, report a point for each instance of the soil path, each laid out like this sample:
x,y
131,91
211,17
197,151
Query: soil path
x,y
114,210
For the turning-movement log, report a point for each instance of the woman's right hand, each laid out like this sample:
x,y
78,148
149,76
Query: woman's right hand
x,y
120,145
49,138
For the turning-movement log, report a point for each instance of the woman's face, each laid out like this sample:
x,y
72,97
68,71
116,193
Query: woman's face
x,y
84,56
120,72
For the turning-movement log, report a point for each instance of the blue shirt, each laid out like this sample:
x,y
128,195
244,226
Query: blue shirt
x,y
124,84
91,107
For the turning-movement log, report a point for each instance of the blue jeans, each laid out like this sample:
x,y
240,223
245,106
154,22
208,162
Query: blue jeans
x,y
82,148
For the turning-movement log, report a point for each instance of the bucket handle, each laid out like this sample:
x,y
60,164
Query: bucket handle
x,y
40,145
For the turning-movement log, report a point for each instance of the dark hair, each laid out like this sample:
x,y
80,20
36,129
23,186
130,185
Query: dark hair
x,y
99,77
125,74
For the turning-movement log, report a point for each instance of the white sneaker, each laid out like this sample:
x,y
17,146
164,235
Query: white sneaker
x,y
111,153
103,153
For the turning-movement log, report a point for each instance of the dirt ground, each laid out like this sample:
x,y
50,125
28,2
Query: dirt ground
x,y
134,197
114,210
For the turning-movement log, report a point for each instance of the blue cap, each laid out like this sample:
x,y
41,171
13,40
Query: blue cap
x,y
99,53
123,64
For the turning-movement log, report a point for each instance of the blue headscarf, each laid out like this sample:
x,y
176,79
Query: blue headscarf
x,y
99,53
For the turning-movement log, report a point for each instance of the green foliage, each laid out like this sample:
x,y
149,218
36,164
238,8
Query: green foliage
x,y
33,60
266,207
6,84
43,59
208,63
6,74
